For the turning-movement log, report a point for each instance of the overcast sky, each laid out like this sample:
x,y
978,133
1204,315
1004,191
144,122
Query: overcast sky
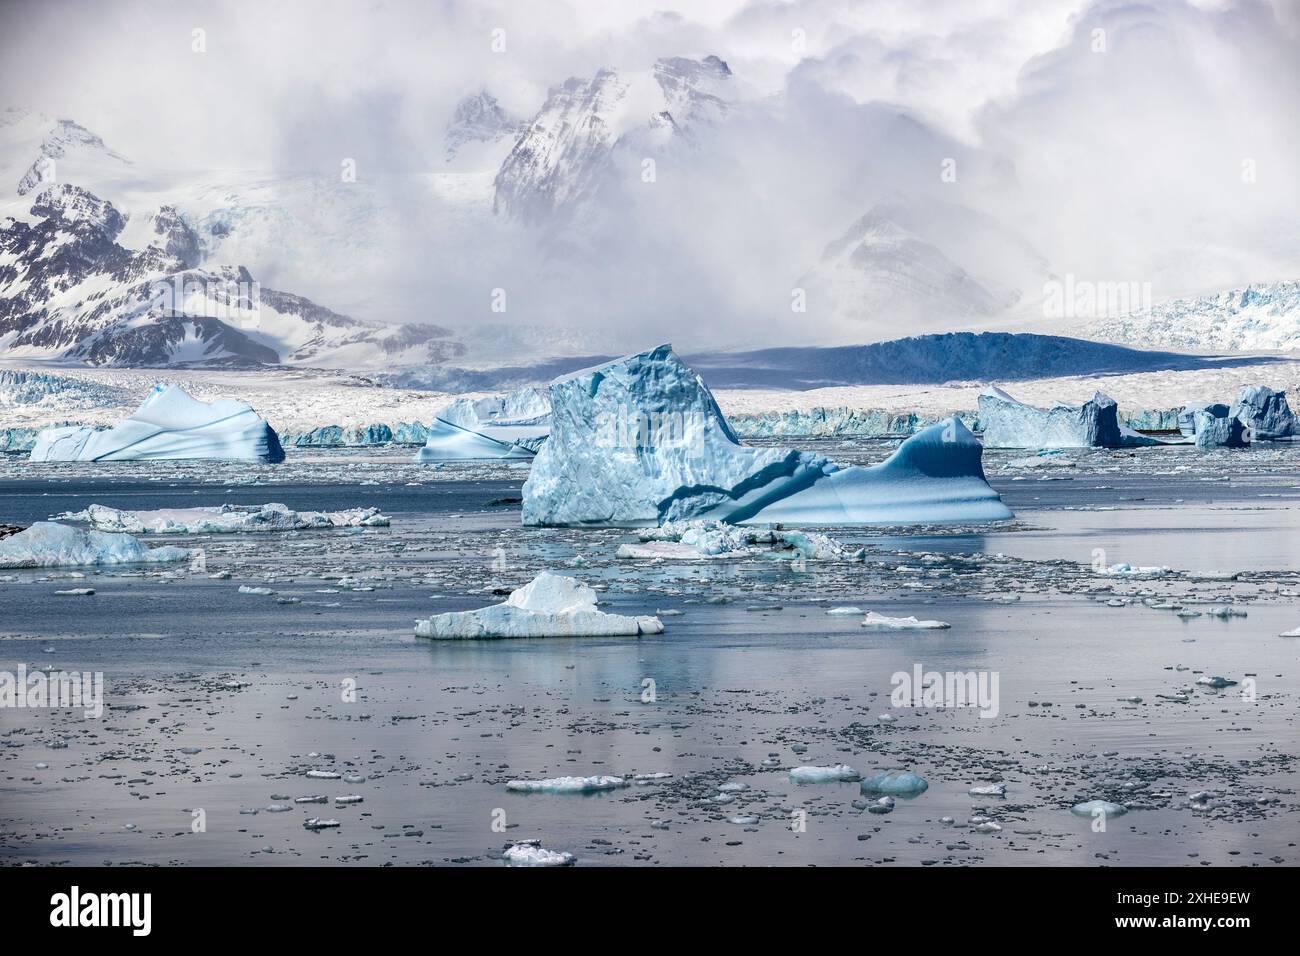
x,y
1121,162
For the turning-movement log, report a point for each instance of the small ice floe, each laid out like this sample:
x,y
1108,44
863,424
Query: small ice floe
x,y
1295,632
989,790
846,610
1131,571
734,786
1176,698
225,518
988,826
1215,682
651,777
316,823
532,853
880,622
353,778
278,808
76,592
567,784
49,545
1225,611
883,805
1093,808
840,773
898,783
191,751
322,775
312,798
1188,612
712,540
743,820
552,605
352,798
885,718
247,589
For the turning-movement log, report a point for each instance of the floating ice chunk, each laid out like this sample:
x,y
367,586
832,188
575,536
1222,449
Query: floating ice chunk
x,y
225,518
1215,682
880,622
322,775
247,589
1212,425
76,592
1294,632
1266,413
898,783
989,790
696,540
641,441
530,854
552,605
316,823
499,426
168,424
1129,570
48,544
883,805
1225,612
988,826
840,773
1093,808
1008,423
743,820
845,610
567,784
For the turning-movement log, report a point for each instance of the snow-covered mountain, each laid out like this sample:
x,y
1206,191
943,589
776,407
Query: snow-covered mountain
x,y
1257,318
562,155
71,290
479,120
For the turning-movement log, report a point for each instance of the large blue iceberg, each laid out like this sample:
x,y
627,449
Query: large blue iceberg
x,y
499,426
1266,414
1008,423
168,424
641,441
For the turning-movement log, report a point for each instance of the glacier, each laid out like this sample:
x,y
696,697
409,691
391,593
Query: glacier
x,y
641,441
1008,423
224,519
1266,413
169,424
499,426
551,605
47,544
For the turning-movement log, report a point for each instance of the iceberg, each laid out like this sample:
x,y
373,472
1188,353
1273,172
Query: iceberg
x,y
47,544
1212,425
551,605
531,853
224,519
898,783
499,426
1095,808
699,540
168,424
567,784
641,441
840,773
1008,423
1266,413
880,622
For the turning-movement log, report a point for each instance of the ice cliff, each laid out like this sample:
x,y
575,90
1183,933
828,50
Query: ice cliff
x,y
1008,423
168,424
641,441
499,426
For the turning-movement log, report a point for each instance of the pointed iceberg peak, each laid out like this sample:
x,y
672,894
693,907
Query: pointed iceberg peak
x,y
641,440
169,424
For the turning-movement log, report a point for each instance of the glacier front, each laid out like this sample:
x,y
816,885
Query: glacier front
x,y
641,441
499,426
169,424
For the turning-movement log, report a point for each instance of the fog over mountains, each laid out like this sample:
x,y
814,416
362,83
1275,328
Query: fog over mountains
x,y
482,184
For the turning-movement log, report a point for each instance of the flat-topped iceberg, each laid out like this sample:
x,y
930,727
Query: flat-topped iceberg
x,y
641,441
499,426
168,424
1266,413
897,783
224,519
594,784
1008,423
551,605
839,773
48,544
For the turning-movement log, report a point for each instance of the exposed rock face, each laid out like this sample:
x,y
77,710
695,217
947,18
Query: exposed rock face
x,y
478,119
563,153
641,441
1008,423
